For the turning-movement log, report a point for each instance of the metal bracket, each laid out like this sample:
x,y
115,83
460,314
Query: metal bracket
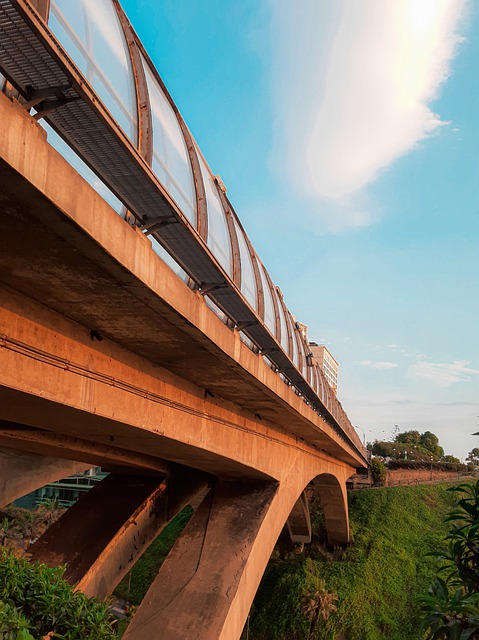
x,y
53,106
155,225
243,325
209,288
38,95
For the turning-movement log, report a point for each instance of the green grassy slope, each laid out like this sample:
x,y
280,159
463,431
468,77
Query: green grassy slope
x,y
376,580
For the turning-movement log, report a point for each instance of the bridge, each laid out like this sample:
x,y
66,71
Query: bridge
x,y
140,332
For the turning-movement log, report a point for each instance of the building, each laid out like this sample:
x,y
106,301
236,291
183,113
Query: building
x,y
327,363
64,492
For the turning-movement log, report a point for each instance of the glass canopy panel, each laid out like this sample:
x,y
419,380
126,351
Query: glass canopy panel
x,y
248,282
284,331
169,260
2,82
92,35
269,315
77,163
171,162
295,344
218,239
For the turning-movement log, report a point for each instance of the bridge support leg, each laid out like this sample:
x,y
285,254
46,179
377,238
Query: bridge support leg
x,y
299,521
196,585
101,536
333,497
22,473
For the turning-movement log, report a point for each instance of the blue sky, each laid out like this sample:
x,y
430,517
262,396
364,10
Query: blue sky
x,y
346,133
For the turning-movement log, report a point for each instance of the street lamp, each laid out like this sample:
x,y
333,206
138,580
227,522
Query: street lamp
x,y
376,433
364,433
431,466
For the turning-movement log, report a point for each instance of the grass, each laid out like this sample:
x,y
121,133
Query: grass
x,y
376,580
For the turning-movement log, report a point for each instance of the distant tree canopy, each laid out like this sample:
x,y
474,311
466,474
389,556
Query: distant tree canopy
x,y
473,456
412,445
450,459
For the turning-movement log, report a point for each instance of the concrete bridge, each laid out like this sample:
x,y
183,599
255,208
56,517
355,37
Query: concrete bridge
x,y
140,331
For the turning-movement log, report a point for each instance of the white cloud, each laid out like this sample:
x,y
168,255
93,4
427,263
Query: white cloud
x,y
352,84
378,364
444,374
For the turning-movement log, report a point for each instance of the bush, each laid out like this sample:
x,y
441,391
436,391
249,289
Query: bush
x,y
451,610
36,601
378,472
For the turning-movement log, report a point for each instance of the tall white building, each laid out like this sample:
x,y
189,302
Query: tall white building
x,y
327,363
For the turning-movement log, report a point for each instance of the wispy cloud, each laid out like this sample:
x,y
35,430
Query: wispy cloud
x,y
353,84
444,374
374,364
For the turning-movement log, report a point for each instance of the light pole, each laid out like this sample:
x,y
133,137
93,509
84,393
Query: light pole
x,y
364,433
431,466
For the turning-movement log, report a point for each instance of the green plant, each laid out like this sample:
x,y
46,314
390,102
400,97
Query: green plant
x,y
378,471
451,610
13,625
48,604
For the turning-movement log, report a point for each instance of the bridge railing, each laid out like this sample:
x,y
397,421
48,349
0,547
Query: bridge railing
x,y
82,69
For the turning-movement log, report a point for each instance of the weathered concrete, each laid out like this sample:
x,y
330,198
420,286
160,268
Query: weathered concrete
x,y
192,593
299,521
168,380
211,576
22,473
103,274
109,457
101,536
332,493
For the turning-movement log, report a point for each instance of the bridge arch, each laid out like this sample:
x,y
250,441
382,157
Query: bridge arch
x,y
333,499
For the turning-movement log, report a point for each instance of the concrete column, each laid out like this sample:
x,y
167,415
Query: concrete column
x,y
299,521
103,534
197,584
332,494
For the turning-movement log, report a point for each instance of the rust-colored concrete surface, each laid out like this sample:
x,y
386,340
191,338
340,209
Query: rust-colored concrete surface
x,y
101,537
168,381
64,247
22,472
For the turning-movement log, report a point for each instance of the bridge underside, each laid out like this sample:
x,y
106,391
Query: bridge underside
x,y
107,358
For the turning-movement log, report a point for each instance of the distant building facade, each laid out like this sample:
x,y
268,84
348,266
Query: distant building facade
x,y
64,492
327,362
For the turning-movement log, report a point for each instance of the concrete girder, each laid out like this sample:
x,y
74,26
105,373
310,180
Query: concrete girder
x,y
299,521
197,584
101,536
98,271
22,473
109,457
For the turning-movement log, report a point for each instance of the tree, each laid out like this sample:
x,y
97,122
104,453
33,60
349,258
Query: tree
x,y
430,442
473,456
409,438
378,471
450,459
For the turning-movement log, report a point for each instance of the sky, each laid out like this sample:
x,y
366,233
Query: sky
x,y
346,134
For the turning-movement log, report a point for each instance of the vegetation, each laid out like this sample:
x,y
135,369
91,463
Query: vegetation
x,y
35,602
20,527
378,472
410,445
376,580
451,610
